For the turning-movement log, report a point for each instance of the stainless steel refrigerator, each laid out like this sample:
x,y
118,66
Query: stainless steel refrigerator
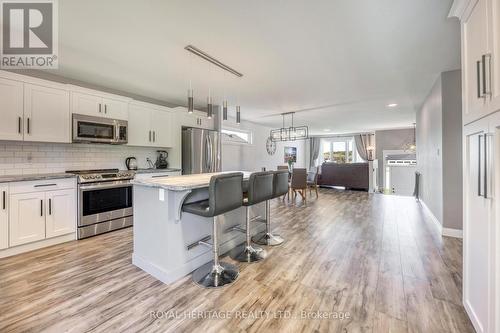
x,y
200,151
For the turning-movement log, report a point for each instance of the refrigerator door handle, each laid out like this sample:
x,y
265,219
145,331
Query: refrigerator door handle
x,y
207,153
211,150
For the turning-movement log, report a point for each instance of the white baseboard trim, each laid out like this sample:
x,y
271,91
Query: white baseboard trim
x,y
36,245
449,232
432,216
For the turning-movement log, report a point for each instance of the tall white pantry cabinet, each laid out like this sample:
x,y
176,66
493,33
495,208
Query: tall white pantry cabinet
x,y
480,30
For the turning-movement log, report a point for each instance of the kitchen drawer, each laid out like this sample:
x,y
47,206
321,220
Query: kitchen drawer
x,y
42,185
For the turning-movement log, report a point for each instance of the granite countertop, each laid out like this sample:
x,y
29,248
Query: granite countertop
x,y
42,176
183,183
139,171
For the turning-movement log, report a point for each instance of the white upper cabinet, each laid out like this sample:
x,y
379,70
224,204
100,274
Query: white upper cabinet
x,y
494,42
11,110
115,109
162,123
93,104
150,125
139,127
480,56
475,45
196,119
4,216
46,114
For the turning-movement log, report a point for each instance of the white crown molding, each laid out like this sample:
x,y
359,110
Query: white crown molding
x,y
460,8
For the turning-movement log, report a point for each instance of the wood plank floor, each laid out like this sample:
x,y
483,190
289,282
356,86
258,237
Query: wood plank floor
x,y
375,259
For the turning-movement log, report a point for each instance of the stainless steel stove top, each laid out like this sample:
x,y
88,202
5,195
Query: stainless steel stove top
x,y
101,175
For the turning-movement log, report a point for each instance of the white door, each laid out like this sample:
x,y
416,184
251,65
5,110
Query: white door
x,y
475,40
11,110
115,109
60,212
139,126
90,105
478,253
4,216
48,112
26,218
162,123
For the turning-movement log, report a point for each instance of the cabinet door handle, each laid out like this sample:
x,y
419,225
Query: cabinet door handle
x,y
50,206
41,207
149,136
154,136
4,203
100,108
487,179
44,185
28,125
106,108
19,122
483,62
479,178
478,72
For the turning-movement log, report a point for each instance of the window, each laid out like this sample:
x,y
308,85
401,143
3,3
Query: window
x,y
236,136
339,150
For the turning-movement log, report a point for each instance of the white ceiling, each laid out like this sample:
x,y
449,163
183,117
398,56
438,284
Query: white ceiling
x,y
344,61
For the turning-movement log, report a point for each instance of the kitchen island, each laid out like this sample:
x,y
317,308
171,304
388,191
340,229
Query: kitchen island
x,y
169,244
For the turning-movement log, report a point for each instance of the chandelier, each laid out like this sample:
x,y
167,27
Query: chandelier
x,y
411,147
290,133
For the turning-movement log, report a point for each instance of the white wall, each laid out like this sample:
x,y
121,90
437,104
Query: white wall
x,y
29,157
439,150
253,157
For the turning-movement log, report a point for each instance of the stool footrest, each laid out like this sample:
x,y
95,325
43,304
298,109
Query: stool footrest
x,y
202,241
236,228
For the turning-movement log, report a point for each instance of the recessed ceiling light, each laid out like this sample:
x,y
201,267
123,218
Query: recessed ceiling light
x,y
392,105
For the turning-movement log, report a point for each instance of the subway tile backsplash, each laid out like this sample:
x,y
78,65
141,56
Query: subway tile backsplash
x,y
28,157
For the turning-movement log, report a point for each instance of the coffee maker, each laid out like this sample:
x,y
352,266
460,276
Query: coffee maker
x,y
161,160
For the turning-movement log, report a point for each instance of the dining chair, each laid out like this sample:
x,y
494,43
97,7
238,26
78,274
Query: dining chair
x,y
284,167
312,180
299,183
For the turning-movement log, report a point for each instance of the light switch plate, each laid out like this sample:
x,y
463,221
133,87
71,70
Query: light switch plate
x,y
161,194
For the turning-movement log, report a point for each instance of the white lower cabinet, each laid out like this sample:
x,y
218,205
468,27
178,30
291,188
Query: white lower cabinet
x,y
26,218
39,210
60,213
4,216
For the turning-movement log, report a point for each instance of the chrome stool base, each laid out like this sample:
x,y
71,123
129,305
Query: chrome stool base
x,y
248,254
264,238
215,276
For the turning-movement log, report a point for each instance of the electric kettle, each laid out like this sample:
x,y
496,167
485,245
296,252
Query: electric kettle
x,y
131,163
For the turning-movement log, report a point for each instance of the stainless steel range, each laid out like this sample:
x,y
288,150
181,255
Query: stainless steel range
x,y
104,201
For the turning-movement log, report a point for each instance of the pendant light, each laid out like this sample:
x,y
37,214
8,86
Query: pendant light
x,y
238,108
190,90
224,102
210,110
238,114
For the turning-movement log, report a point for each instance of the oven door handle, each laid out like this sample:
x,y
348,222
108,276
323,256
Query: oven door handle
x,y
103,186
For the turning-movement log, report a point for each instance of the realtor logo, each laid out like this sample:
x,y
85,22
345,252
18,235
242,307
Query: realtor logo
x,y
29,34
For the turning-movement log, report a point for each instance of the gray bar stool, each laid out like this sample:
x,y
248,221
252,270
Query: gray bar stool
x,y
224,194
280,187
260,188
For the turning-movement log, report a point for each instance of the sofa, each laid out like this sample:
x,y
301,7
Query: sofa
x,y
348,175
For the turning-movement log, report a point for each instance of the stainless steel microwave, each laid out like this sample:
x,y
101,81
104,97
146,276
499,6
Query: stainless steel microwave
x,y
89,129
